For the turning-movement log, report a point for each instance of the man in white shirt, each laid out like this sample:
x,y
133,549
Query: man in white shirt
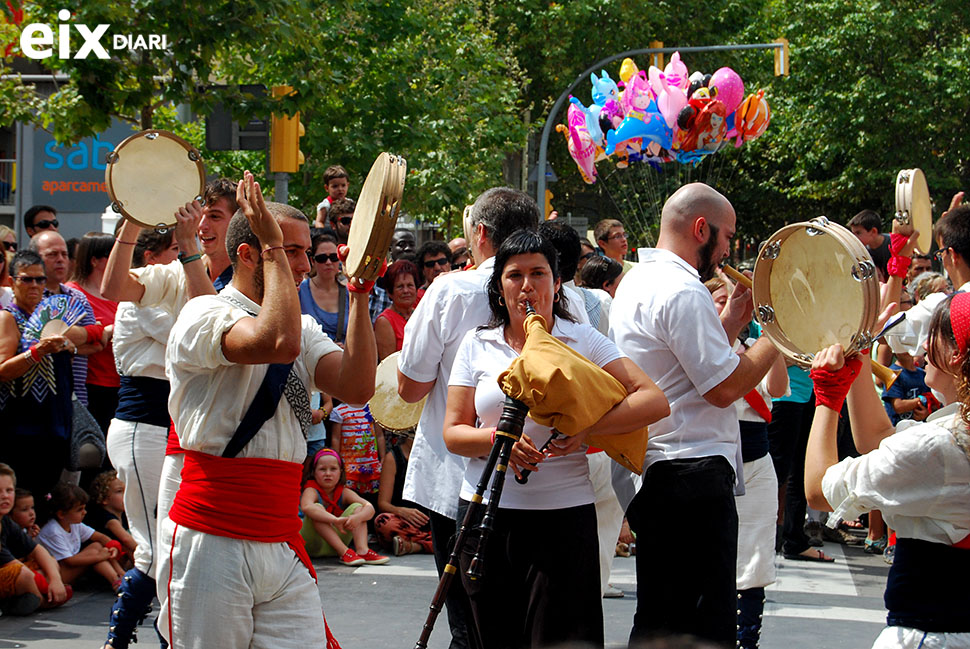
x,y
664,319
241,365
454,304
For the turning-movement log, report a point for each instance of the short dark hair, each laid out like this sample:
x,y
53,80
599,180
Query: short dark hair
x,y
151,240
221,188
398,268
341,207
522,242
953,229
333,172
321,237
239,231
600,270
502,211
65,496
434,248
601,231
566,240
24,258
93,245
34,211
866,219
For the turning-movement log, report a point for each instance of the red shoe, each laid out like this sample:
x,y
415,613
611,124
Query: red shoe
x,y
351,558
371,558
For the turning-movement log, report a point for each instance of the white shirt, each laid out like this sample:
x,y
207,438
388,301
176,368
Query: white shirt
x,y
140,336
560,481
63,544
663,318
210,394
909,335
919,478
453,305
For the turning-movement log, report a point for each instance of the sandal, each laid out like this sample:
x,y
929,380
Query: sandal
x,y
875,547
813,555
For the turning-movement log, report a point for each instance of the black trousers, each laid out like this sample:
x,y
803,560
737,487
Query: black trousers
x,y
540,584
458,608
687,545
788,439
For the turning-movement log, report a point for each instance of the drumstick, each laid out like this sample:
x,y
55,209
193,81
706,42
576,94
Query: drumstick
x,y
880,371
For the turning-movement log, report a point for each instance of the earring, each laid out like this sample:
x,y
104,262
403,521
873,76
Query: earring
x,y
501,300
556,299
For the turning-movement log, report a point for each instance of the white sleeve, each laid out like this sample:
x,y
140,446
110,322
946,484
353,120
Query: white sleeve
x,y
163,284
314,344
85,531
196,338
695,335
336,416
463,372
424,344
602,350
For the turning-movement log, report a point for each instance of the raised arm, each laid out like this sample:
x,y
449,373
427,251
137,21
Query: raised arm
x,y
274,335
118,283
350,375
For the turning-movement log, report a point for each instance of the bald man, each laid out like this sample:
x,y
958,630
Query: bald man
x,y
684,514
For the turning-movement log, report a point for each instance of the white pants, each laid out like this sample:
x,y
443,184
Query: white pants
x,y
609,514
901,637
757,511
136,451
167,488
229,593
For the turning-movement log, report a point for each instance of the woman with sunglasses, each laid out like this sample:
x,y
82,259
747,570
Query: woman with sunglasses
x,y
36,384
402,278
322,296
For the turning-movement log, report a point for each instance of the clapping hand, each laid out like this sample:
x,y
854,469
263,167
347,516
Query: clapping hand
x,y
249,197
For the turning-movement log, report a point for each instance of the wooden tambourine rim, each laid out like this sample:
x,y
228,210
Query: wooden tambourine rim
x,y
379,414
762,291
913,205
375,217
117,203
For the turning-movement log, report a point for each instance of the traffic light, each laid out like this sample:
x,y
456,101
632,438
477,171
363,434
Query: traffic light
x,y
781,58
284,138
549,196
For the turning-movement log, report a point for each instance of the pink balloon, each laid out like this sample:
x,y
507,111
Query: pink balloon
x,y
730,88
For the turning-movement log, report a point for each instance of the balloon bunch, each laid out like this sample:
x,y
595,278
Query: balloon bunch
x,y
661,116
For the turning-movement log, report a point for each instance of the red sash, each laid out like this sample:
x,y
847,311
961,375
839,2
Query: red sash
x,y
756,401
172,446
256,499
332,505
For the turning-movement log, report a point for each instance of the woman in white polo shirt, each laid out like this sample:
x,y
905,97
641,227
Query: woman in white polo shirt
x,y
541,568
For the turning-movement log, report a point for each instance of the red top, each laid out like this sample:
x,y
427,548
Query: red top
x,y
252,498
397,324
101,366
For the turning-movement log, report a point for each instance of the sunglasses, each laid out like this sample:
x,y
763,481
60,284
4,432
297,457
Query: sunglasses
x,y
345,220
323,258
588,255
10,245
440,262
457,266
28,279
938,255
43,225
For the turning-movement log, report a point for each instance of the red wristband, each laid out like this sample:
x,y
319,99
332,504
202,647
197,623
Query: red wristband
x,y
34,354
493,437
897,266
832,386
95,332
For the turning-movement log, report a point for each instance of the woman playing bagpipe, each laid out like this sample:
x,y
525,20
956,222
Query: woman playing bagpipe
x,y
540,583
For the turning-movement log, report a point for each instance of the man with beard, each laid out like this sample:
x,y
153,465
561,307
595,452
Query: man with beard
x,y
241,365
664,319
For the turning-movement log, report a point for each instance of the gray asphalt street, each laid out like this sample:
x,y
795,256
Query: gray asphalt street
x,y
812,606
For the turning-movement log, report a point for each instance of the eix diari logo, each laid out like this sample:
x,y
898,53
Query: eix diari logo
x,y
37,40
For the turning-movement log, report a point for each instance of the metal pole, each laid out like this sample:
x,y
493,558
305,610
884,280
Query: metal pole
x,y
551,118
282,187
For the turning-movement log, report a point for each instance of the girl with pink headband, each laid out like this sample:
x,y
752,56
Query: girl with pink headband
x,y
918,475
334,515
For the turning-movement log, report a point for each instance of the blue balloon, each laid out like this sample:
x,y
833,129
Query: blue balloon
x,y
652,127
729,123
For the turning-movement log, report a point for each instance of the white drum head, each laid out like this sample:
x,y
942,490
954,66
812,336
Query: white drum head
x,y
913,205
388,408
814,287
151,174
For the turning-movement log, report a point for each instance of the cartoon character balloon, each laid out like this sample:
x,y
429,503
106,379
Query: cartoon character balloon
x,y
580,142
751,119
676,72
670,98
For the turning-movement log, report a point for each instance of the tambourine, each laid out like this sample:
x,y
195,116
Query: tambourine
x,y
389,410
815,285
375,217
151,174
913,206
